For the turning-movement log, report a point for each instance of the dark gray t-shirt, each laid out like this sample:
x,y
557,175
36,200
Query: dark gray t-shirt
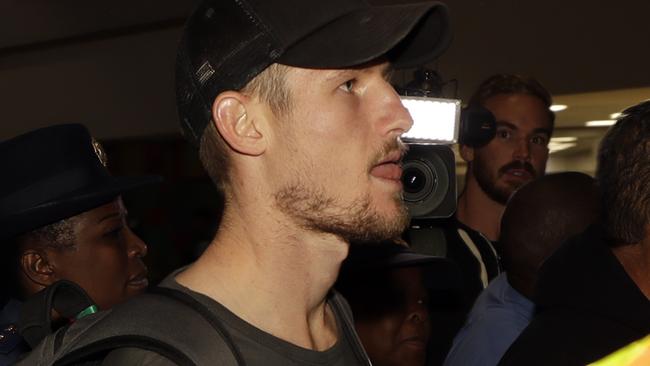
x,y
256,346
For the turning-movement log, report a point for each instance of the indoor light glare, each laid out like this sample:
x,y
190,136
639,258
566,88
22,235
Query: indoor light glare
x,y
564,139
559,146
435,120
615,115
558,107
600,123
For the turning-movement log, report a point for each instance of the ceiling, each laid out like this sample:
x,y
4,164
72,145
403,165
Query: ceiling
x,y
110,64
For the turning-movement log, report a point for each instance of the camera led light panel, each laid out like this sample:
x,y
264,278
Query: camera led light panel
x,y
435,120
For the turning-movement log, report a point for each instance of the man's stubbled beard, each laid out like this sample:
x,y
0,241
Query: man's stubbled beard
x,y
311,208
489,184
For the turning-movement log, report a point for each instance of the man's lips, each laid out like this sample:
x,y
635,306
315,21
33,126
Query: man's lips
x,y
389,167
415,341
139,281
518,170
519,173
391,171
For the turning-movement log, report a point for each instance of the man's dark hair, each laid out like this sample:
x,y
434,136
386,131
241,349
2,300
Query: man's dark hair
x,y
623,174
512,84
58,235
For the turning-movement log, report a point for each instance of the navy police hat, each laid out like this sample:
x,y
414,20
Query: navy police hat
x,y
54,173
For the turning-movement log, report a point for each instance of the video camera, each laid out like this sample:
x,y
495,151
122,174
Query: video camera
x,y
429,168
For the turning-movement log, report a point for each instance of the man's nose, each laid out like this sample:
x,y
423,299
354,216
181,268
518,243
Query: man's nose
x,y
137,247
399,118
404,120
418,313
522,150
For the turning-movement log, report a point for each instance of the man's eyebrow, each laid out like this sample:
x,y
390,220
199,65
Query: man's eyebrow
x,y
509,125
546,131
386,73
506,124
337,74
119,214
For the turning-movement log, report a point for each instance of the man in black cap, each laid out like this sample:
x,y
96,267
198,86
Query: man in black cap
x,y
390,290
62,218
291,109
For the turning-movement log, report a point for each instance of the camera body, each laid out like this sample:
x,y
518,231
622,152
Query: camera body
x,y
429,168
429,180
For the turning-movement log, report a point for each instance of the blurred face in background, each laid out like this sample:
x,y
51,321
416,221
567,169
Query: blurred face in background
x,y
103,256
394,324
519,151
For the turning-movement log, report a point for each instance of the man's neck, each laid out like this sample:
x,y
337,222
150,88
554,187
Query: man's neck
x,y
635,259
478,211
274,276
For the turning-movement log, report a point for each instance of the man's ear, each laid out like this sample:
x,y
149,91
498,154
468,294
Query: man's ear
x,y
37,269
233,115
467,153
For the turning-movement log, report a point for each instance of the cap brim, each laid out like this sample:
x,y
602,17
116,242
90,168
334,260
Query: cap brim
x,y
409,35
70,205
440,273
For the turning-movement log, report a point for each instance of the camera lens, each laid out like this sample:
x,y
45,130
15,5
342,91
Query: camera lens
x,y
428,181
413,180
418,180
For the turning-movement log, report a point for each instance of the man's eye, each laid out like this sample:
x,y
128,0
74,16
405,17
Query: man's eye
x,y
503,134
539,140
347,86
115,233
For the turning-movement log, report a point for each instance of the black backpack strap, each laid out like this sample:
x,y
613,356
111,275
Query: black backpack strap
x,y
66,297
216,324
93,353
165,321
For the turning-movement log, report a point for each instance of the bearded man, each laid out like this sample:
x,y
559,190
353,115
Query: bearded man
x,y
291,108
516,155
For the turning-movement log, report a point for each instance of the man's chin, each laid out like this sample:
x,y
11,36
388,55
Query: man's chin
x,y
380,230
501,192
410,357
513,185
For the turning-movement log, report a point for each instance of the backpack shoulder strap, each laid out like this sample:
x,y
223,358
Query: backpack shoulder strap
x,y
166,321
207,315
66,297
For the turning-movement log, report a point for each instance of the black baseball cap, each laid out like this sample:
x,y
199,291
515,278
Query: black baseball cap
x,y
54,173
226,43
441,273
